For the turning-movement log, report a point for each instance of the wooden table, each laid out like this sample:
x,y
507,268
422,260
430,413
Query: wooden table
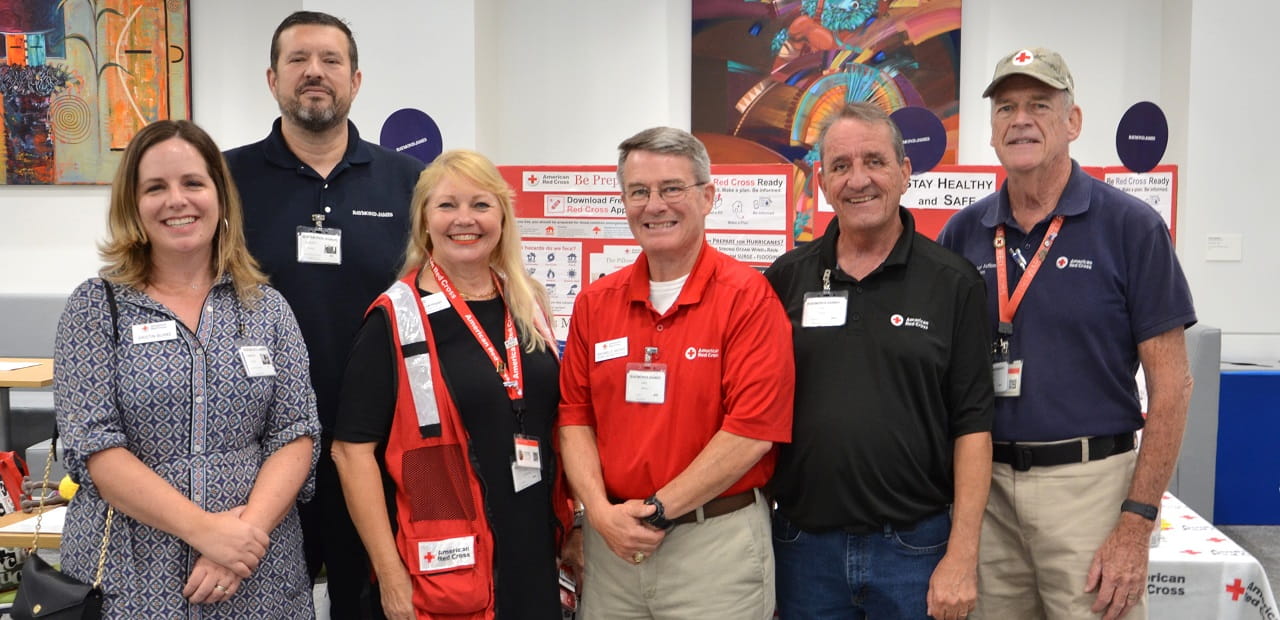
x,y
37,376
23,539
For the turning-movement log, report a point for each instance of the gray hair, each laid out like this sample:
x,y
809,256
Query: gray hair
x,y
868,113
668,141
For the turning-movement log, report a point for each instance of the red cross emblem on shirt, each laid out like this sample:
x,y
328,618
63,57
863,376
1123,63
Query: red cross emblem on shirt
x,y
1235,589
429,557
1023,58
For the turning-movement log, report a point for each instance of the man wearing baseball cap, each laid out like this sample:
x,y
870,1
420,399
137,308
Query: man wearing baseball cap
x,y
1083,285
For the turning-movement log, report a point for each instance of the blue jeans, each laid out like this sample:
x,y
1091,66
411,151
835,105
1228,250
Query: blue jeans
x,y
840,575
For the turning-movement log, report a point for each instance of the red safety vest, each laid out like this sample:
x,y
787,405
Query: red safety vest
x,y
443,534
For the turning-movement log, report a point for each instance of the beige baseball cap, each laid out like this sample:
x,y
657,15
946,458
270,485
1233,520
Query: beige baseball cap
x,y
1037,62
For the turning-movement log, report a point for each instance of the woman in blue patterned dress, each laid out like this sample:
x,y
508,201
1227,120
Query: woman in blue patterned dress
x,y
189,409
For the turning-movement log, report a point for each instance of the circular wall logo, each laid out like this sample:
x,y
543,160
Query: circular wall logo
x,y
413,133
896,320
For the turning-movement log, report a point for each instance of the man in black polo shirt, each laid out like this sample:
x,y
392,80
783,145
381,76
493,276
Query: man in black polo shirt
x,y
881,492
326,214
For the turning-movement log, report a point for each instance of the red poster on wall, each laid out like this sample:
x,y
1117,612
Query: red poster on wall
x,y
574,226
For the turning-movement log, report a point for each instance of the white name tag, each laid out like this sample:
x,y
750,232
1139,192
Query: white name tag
x,y
824,310
257,361
155,332
434,303
323,246
450,553
524,477
647,383
611,349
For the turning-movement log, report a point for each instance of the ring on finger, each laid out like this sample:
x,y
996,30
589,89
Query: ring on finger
x,y
638,557
220,588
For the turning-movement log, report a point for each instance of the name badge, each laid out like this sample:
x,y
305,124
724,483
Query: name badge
x,y
155,332
611,349
321,246
825,309
257,361
527,453
524,477
647,383
1010,384
439,555
434,303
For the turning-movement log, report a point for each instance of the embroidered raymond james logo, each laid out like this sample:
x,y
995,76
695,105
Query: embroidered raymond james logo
x,y
897,320
364,213
1073,263
693,353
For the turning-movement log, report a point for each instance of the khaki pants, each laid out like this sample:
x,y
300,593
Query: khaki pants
x,y
1039,535
721,568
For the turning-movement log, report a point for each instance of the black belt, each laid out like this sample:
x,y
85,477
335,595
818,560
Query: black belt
x,y
1023,457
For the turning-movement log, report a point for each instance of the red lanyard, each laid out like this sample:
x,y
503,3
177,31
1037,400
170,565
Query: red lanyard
x,y
1008,307
512,378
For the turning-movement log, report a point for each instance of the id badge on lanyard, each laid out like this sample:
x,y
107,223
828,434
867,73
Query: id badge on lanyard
x,y
825,308
319,245
256,359
1006,374
647,382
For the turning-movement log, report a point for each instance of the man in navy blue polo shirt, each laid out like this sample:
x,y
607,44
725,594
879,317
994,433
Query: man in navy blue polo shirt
x,y
327,217
1083,285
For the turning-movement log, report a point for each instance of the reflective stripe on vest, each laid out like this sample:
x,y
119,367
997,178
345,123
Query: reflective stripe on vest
x,y
418,366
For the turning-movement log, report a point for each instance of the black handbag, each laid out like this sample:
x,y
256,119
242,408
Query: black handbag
x,y
45,593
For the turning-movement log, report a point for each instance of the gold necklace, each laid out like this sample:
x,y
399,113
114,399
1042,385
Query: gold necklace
x,y
489,294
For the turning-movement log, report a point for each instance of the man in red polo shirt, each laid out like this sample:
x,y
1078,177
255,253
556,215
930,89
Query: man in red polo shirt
x,y
677,380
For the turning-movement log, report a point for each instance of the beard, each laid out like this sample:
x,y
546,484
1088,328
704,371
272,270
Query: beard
x,y
315,118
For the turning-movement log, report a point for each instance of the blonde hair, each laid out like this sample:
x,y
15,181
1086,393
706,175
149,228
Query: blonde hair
x,y
525,297
127,251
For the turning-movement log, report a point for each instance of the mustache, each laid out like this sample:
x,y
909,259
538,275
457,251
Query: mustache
x,y
311,83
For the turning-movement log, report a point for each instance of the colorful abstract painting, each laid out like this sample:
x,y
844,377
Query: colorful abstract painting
x,y
767,73
80,77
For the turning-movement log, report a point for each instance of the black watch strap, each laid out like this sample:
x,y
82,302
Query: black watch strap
x,y
659,517
1146,511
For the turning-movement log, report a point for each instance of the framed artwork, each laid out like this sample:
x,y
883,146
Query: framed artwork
x,y
78,78
767,73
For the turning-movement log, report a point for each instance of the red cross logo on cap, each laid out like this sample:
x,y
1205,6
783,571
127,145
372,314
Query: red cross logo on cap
x,y
1023,58
1062,262
896,320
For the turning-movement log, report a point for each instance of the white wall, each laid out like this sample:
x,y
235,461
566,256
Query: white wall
x,y
563,82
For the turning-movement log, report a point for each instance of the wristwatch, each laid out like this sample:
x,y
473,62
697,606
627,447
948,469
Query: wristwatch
x,y
659,517
1146,511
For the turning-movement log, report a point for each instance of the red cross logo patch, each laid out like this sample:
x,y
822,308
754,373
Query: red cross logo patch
x,y
896,320
1062,262
1023,58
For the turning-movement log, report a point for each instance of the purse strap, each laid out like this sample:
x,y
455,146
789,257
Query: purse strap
x,y
53,455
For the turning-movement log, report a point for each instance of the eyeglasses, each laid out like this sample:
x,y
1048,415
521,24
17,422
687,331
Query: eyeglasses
x,y
669,193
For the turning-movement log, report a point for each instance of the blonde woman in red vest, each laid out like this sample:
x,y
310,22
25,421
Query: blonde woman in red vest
x,y
448,404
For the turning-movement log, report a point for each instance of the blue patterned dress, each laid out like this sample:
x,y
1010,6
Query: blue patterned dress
x,y
188,410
